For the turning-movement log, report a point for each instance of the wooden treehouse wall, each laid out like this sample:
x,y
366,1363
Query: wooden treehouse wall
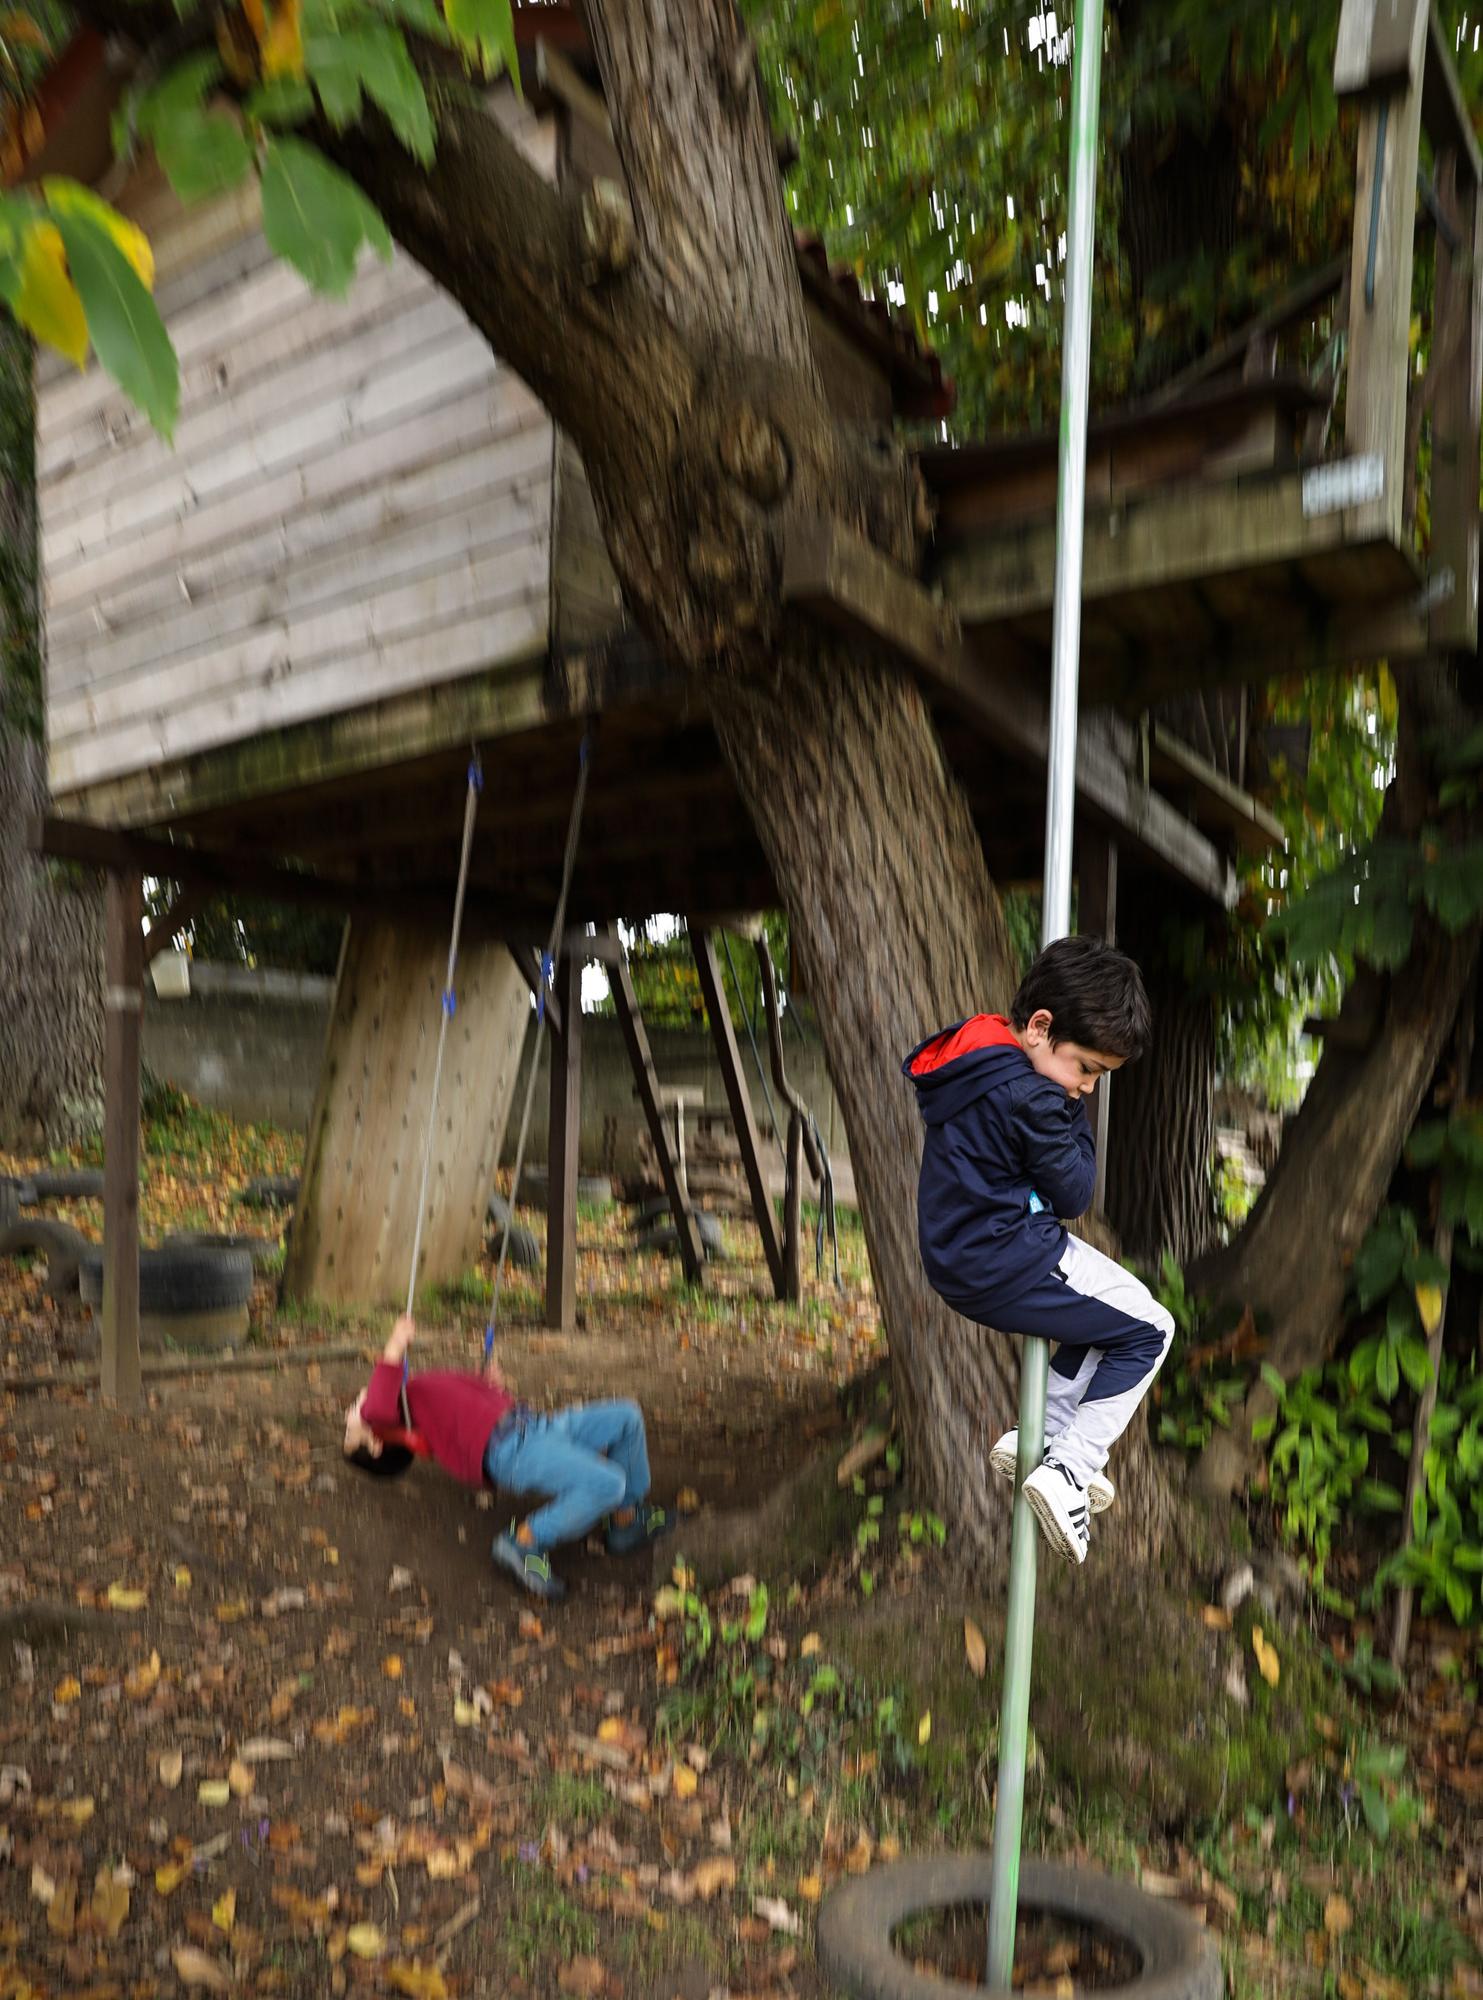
x,y
357,503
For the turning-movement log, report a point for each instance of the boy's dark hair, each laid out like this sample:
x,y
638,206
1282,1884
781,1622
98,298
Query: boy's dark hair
x,y
389,1463
1093,994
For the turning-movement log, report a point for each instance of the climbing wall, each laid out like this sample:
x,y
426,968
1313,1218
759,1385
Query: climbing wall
x,y
357,1213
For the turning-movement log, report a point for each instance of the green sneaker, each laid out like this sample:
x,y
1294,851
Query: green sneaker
x,y
529,1568
647,1525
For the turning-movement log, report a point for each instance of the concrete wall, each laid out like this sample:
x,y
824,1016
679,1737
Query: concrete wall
x,y
251,1043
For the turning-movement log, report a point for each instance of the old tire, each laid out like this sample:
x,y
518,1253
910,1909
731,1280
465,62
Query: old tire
x,y
271,1191
62,1246
858,1922
664,1238
187,1297
525,1251
71,1184
261,1249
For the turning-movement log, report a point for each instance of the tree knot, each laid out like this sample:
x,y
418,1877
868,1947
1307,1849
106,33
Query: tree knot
x,y
755,454
607,232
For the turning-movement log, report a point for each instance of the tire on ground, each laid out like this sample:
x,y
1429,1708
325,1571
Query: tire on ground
x,y
858,1921
261,1249
525,1251
271,1191
187,1297
62,1246
70,1184
663,1237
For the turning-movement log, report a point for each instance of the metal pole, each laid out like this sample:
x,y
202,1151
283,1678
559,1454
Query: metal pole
x,y
1060,805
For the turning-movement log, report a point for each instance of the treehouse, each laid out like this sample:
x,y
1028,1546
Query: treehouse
x,y
271,648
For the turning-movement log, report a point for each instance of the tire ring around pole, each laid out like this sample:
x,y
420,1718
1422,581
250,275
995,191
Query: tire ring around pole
x,y
858,1920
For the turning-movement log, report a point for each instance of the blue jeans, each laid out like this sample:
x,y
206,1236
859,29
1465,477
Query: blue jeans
x,y
588,1460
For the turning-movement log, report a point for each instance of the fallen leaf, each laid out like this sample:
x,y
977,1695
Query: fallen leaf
x,y
811,1888
420,1982
1216,1617
811,1645
43,1888
122,1599
182,1577
172,1764
199,1968
68,1689
687,1501
924,1727
583,1976
224,1911
1337,1915
239,1778
530,1627
61,1911
168,1878
1267,1661
140,1681
686,1782
213,1791
975,1648
110,1905
711,1876
366,1940
265,1750
778,1917
391,1666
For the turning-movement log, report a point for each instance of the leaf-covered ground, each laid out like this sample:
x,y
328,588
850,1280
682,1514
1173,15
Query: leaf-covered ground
x,y
272,1728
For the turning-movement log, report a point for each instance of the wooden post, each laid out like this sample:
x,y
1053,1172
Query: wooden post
x,y
792,1289
636,1041
739,1097
123,1001
1097,917
1457,356
1379,59
565,1131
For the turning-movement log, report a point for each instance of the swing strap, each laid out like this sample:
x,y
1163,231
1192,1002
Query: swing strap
x,y
548,968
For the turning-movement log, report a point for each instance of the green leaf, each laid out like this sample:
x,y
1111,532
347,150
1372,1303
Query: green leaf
x,y
316,218
202,152
287,100
1400,1316
486,29
1415,1363
184,89
1424,1147
1378,1264
123,320
1459,1595
1273,1381
1263,1427
424,16
1376,1811
1382,1496
1418,1514
1387,1372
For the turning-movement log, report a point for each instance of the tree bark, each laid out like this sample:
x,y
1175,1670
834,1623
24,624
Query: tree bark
x,y
51,925
1291,1260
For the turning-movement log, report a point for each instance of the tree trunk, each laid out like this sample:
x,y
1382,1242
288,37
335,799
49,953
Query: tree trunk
x,y
51,926
902,932
1290,1262
1161,1136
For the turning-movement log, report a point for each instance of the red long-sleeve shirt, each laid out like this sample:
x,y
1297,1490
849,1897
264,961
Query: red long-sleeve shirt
x,y
455,1413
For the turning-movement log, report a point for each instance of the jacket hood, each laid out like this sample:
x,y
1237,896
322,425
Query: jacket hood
x,y
958,1065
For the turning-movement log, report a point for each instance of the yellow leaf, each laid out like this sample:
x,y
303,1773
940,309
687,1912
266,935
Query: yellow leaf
x,y
812,1644
47,304
365,1940
110,1902
141,1680
20,28
231,1611
420,1982
72,198
464,1713
810,1888
712,1875
610,1729
924,1727
169,1878
1429,1305
239,1778
199,1968
172,1763
1337,1915
79,1811
391,1666
68,1689
120,1598
685,1782
182,1578
1267,1661
974,1647
213,1791
224,1910
283,45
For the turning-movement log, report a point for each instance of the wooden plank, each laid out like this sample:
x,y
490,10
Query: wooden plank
x,y
563,1144
636,1041
528,958
284,645
163,932
308,376
1216,801
295,549
512,633
1444,109
739,1097
843,579
1457,355
123,1002
491,411
1381,262
508,520
1380,45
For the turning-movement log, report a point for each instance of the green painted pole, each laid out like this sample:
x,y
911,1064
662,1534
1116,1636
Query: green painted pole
x,y
1060,814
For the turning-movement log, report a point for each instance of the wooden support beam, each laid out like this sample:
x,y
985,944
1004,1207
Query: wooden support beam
x,y
564,1133
842,579
739,1097
1379,59
636,1041
1444,109
1216,801
1457,358
1096,916
164,931
123,1003
528,958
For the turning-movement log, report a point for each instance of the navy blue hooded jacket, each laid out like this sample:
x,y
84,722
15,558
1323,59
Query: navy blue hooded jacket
x,y
997,1132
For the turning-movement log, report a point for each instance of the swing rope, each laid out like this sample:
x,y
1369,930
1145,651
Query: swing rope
x,y
548,969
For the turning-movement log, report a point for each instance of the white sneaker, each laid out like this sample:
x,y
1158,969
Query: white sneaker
x,y
1060,1507
1004,1458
